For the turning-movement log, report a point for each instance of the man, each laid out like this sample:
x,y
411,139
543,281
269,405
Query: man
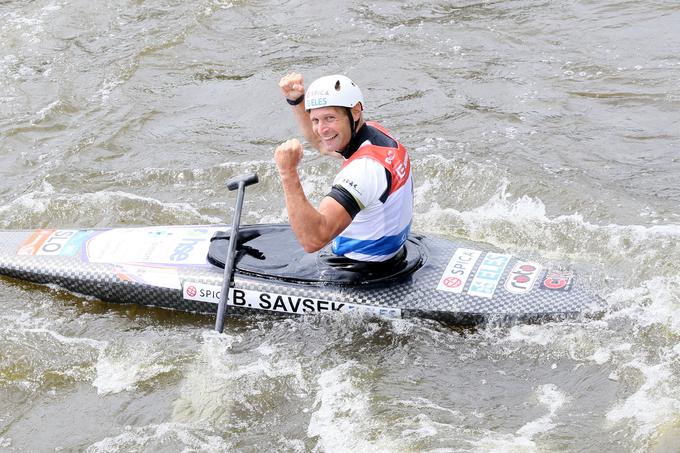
x,y
367,214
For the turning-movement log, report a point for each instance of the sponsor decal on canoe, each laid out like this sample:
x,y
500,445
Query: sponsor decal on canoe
x,y
280,302
488,275
557,280
522,277
154,245
458,270
54,242
163,277
31,245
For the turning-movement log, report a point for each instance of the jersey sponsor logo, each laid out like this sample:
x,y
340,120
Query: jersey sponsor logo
x,y
400,166
488,275
280,302
350,184
522,277
557,280
458,270
401,170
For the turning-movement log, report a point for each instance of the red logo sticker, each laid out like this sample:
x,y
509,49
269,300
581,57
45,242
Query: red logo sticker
x,y
557,281
522,277
191,291
452,282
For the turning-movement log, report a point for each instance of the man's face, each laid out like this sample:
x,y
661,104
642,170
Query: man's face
x,y
332,126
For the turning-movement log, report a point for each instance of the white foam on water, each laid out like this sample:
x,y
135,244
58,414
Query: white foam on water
x,y
15,321
524,439
44,112
224,386
27,30
274,217
637,339
123,369
656,400
604,354
182,177
51,353
424,403
499,206
169,436
340,405
553,399
96,344
422,427
578,341
40,203
654,302
432,423
215,5
653,312
642,348
29,27
509,221
534,334
522,210
34,202
207,381
342,417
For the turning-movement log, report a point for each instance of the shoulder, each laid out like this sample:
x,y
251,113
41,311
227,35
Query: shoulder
x,y
363,168
365,178
379,136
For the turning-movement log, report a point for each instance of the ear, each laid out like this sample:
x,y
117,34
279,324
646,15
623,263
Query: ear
x,y
356,111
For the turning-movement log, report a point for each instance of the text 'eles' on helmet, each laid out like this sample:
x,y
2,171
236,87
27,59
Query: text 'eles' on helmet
x,y
333,91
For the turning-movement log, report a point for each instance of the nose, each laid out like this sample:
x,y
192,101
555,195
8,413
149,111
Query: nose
x,y
323,126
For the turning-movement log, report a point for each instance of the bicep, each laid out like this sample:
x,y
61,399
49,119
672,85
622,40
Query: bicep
x,y
335,217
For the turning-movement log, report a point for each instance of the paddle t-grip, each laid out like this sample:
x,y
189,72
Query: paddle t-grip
x,y
247,180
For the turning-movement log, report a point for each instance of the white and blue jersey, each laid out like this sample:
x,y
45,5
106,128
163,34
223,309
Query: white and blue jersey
x,y
376,188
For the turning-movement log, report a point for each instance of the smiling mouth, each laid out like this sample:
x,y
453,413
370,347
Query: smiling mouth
x,y
330,138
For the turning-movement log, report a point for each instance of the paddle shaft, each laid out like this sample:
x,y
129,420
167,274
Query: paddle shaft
x,y
239,184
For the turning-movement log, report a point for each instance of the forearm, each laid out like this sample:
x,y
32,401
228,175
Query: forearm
x,y
305,126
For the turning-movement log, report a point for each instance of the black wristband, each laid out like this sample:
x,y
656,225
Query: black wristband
x,y
296,101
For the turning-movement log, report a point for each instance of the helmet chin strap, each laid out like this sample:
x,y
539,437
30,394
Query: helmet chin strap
x,y
352,124
352,127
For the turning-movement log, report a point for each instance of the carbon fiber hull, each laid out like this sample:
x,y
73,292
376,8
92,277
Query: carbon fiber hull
x,y
456,281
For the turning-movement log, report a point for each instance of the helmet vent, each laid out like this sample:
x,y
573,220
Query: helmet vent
x,y
337,86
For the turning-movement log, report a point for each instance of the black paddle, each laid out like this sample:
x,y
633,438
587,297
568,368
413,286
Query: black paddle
x,y
240,183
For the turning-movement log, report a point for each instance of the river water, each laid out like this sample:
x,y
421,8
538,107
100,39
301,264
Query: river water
x,y
548,129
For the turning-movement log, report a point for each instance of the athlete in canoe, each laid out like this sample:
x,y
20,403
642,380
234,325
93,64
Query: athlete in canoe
x,y
368,211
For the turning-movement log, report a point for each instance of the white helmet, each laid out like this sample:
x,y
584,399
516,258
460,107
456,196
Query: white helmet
x,y
333,91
